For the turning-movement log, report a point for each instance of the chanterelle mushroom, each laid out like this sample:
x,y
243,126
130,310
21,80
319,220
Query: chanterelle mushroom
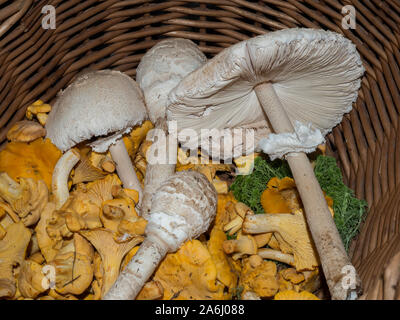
x,y
74,266
34,160
111,253
293,295
27,198
104,104
260,279
182,209
158,72
190,274
30,279
38,109
82,210
48,245
225,272
302,81
152,290
291,232
12,253
244,244
85,171
26,131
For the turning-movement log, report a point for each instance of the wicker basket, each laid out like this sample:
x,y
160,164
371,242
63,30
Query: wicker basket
x,y
92,34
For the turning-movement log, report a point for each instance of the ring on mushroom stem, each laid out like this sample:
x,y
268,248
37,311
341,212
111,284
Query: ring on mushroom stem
x,y
182,209
300,82
100,104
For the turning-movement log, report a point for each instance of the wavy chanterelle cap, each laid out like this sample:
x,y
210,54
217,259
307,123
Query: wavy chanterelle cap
x,y
102,103
315,73
182,208
162,68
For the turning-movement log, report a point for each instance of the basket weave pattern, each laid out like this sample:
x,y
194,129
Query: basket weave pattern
x,y
91,34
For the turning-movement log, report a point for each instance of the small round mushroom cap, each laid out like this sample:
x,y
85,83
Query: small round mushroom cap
x,y
105,104
315,73
162,68
182,208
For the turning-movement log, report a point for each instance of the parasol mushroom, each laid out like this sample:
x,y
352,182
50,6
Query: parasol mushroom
x,y
100,104
299,82
162,68
182,209
158,72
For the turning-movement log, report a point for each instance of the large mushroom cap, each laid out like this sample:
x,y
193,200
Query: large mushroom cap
x,y
162,68
100,103
189,196
315,73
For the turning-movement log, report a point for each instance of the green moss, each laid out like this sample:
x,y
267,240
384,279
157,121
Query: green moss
x,y
349,211
237,293
248,188
231,237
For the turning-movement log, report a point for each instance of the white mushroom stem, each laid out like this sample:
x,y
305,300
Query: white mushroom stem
x,y
276,255
138,271
190,203
326,237
125,169
62,170
165,232
156,173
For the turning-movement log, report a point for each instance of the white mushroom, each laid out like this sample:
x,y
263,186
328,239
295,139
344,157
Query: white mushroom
x,y
224,144
182,209
104,104
159,71
162,68
301,81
